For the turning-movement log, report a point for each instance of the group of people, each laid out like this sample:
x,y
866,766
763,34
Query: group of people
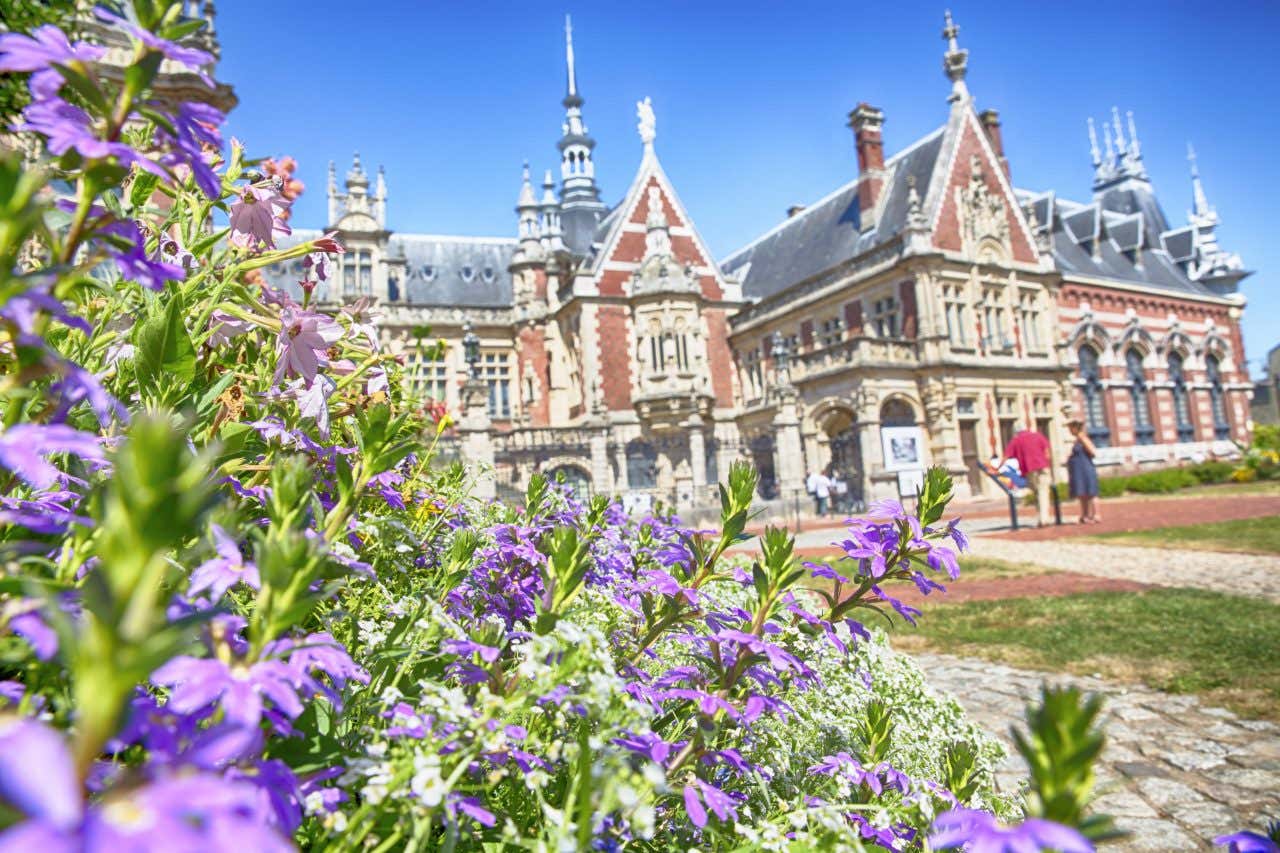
x,y
830,491
1029,451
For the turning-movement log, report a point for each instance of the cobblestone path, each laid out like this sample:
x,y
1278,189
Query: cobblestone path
x,y
1241,574
1176,773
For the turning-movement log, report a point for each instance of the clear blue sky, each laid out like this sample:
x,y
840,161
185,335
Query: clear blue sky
x,y
751,99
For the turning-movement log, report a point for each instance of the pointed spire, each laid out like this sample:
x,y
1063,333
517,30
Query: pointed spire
x,y
335,200
571,98
527,198
1106,136
380,198
955,61
1134,150
357,177
1094,153
1200,209
1121,149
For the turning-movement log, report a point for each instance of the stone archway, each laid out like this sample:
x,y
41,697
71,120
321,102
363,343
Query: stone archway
x,y
844,442
574,476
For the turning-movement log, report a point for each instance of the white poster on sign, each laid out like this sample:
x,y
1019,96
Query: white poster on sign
x,y
910,483
903,448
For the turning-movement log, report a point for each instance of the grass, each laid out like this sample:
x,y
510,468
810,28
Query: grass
x,y
1214,490
1226,648
1246,535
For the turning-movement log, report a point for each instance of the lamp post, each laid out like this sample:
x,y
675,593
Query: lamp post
x,y
781,358
471,350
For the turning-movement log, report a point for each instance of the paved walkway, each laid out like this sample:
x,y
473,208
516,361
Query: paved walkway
x,y
1176,773
1240,574
1128,514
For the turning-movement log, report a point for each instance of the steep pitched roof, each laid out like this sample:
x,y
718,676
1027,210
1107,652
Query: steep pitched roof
x,y
826,233
1089,241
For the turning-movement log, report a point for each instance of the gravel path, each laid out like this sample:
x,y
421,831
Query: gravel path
x,y
1242,574
1176,772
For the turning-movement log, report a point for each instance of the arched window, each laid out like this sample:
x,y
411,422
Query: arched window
x,y
1143,431
642,465
578,481
1181,400
1213,370
897,412
1095,410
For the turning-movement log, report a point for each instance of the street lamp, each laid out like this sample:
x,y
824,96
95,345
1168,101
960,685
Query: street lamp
x,y
471,350
781,357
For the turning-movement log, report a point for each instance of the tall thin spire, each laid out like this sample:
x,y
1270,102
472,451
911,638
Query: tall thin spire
x,y
1094,153
1135,150
1121,148
580,207
1200,209
571,93
955,61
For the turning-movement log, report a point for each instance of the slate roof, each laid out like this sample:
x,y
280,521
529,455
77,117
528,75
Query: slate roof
x,y
468,272
826,233
462,271
1124,246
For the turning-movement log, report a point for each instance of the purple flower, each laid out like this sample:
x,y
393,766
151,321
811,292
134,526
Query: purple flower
x,y
28,624
197,129
313,403
1247,842
363,319
50,796
304,341
979,832
225,570
135,264
24,446
191,57
257,218
470,806
226,327
239,689
720,803
39,52
466,648
24,308
79,385
67,127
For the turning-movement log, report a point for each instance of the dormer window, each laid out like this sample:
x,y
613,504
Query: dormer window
x,y
428,272
468,273
487,274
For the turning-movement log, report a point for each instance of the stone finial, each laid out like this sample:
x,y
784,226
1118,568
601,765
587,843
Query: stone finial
x,y
955,61
647,126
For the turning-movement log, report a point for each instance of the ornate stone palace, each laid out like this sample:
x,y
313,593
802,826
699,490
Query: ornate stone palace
x,y
919,314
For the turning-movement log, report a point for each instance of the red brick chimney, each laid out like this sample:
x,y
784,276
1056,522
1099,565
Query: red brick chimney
x,y
991,124
866,122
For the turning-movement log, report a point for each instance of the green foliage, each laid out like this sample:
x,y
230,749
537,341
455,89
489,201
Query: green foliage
x,y
1161,482
961,772
874,731
1211,471
1060,746
1266,437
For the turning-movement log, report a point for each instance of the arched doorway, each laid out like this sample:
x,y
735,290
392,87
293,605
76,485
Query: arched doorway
x,y
761,450
578,480
846,456
642,465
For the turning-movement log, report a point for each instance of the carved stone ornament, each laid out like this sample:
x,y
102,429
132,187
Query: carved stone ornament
x,y
982,213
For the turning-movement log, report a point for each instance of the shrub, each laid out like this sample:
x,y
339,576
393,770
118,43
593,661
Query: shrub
x,y
1212,471
1160,482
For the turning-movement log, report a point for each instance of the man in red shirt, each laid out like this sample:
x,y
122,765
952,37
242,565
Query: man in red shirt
x,y
1031,450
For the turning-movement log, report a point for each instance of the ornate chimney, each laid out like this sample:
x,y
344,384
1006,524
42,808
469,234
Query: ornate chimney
x,y
866,122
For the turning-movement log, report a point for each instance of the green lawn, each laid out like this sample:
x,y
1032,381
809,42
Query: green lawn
x,y
1249,535
1225,647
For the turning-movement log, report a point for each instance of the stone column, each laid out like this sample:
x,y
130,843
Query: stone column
x,y
477,441
697,453
620,482
601,475
788,465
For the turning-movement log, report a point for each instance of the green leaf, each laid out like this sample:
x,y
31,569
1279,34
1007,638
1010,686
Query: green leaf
x,y
164,349
144,184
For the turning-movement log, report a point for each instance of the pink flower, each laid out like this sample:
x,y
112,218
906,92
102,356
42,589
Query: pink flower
x,y
257,218
226,327
363,319
304,343
330,245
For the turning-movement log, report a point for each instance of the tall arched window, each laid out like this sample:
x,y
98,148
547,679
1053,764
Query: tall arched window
x,y
1213,370
1095,411
1143,431
1181,400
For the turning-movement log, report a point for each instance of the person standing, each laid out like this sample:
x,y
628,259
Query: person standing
x,y
821,493
1031,451
1082,474
840,492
